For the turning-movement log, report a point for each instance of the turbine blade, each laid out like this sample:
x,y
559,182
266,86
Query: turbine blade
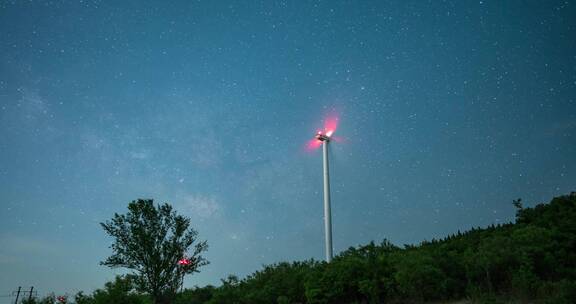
x,y
331,124
313,144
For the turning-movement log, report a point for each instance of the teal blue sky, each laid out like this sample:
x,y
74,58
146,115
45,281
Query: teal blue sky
x,y
448,111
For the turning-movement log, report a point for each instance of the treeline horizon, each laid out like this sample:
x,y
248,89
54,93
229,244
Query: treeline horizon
x,y
532,259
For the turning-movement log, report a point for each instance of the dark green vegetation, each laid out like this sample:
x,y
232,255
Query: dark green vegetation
x,y
533,260
120,291
151,240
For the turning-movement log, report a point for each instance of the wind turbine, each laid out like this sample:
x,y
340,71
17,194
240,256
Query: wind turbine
x,y
324,138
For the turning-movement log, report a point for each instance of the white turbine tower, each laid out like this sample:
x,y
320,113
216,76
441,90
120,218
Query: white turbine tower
x,y
324,138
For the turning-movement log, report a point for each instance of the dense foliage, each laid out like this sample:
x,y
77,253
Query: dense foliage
x,y
120,291
531,260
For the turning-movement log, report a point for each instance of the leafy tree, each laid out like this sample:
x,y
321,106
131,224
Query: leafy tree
x,y
119,291
278,281
81,298
196,295
419,277
228,293
150,240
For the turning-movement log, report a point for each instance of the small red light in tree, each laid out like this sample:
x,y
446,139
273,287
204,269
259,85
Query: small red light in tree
x,y
61,299
184,261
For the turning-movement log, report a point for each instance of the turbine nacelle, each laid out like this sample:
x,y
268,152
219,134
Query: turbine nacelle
x,y
323,136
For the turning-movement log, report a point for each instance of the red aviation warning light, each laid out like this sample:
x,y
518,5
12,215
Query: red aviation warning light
x,y
330,126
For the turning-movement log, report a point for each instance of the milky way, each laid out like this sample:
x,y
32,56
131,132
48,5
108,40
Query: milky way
x,y
448,111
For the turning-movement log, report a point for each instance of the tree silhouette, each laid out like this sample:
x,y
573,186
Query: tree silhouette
x,y
151,240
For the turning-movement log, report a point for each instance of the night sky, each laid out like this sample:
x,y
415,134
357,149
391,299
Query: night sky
x,y
448,110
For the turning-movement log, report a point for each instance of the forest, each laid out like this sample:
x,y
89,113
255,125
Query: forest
x,y
531,260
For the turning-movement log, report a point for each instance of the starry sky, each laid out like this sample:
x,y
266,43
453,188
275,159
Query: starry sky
x,y
448,110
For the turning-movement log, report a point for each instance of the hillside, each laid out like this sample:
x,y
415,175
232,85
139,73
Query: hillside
x,y
532,260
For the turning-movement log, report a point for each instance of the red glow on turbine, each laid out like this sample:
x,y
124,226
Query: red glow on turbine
x,y
325,134
313,144
330,125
